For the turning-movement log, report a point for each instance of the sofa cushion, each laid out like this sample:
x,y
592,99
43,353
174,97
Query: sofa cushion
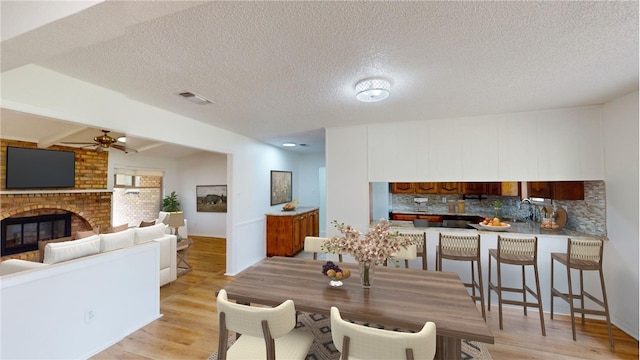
x,y
43,243
149,233
147,223
16,265
117,240
123,227
63,251
85,234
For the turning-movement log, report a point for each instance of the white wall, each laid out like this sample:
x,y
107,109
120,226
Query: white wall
x,y
620,118
44,311
205,168
308,180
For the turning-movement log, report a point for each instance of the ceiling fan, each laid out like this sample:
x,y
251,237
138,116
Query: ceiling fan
x,y
103,142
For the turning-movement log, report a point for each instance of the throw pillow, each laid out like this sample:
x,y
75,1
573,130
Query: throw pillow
x,y
147,223
118,240
149,233
119,228
85,234
43,243
63,251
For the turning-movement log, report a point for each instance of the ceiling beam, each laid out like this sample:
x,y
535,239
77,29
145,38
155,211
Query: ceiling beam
x,y
59,137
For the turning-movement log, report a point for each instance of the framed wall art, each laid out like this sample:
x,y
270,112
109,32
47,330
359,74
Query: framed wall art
x,y
280,187
211,198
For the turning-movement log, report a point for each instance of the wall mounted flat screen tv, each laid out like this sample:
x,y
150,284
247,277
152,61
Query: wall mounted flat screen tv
x,y
39,168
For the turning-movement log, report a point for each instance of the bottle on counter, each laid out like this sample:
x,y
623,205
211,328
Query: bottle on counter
x,y
452,206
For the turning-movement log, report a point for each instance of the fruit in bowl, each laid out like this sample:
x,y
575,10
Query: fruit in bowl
x,y
493,222
289,207
335,273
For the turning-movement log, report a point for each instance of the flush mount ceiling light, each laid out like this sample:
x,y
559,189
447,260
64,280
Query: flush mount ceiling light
x,y
372,90
195,98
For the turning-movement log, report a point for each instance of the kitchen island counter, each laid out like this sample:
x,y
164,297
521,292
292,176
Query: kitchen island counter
x,y
517,228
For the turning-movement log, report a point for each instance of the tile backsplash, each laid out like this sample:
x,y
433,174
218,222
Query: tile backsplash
x,y
587,216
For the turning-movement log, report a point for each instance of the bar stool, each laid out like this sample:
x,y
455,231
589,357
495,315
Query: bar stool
x,y
582,255
463,248
420,239
516,251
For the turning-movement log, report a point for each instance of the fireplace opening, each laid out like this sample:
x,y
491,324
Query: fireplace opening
x,y
22,234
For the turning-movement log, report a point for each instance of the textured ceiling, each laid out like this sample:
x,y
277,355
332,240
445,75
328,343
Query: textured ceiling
x,y
284,71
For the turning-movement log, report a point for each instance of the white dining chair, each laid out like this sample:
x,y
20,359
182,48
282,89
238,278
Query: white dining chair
x,y
313,244
356,341
265,333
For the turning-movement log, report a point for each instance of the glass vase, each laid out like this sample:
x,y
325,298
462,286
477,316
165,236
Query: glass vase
x,y
366,274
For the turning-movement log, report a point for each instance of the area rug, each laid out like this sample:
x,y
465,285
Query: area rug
x,y
323,349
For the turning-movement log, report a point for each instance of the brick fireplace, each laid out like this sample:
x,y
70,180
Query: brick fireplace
x,y
88,203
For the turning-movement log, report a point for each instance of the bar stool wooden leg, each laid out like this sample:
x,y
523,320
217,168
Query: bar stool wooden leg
x,y
524,292
573,317
489,285
606,307
552,288
481,287
499,272
535,270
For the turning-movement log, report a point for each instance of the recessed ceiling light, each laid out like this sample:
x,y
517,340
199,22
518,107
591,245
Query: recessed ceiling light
x,y
288,144
195,98
373,89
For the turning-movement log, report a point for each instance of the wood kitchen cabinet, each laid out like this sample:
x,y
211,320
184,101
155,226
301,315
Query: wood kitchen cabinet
x,y
494,188
286,233
541,189
568,190
411,217
449,188
402,188
404,217
425,187
474,188
510,188
557,190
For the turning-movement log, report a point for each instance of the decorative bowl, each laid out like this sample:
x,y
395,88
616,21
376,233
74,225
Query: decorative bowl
x,y
494,228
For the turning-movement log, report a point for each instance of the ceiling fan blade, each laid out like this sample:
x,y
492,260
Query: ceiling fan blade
x,y
124,148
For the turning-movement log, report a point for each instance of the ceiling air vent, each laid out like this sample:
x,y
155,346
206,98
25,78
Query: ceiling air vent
x,y
195,98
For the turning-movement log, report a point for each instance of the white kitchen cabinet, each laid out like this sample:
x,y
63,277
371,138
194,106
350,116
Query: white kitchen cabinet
x,y
570,145
480,152
552,145
518,157
445,151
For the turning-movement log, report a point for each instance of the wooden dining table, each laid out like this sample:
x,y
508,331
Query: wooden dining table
x,y
398,298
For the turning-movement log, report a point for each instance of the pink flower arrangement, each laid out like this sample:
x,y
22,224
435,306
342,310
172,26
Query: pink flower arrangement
x,y
378,244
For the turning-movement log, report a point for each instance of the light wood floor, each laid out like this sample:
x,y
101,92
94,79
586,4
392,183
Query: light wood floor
x,y
189,327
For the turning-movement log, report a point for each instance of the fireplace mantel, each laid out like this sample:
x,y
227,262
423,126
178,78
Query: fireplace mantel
x,y
20,192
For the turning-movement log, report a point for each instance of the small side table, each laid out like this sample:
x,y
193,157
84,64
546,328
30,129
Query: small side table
x,y
182,251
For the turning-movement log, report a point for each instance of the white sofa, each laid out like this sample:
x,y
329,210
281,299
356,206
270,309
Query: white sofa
x,y
63,251
183,231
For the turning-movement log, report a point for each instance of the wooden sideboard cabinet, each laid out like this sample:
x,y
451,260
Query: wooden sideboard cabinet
x,y
286,232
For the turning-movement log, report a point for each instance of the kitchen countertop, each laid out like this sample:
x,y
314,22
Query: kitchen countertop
x,y
299,210
436,213
518,228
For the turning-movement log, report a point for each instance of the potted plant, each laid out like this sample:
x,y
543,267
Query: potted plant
x,y
497,207
170,203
